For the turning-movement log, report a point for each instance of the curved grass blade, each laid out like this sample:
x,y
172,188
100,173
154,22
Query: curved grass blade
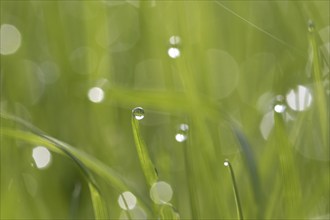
x,y
148,168
235,190
99,206
251,165
39,137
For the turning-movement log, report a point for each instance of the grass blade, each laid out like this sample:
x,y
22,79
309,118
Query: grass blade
x,y
190,171
146,163
251,165
235,190
99,205
100,209
320,97
167,211
288,169
86,162
38,136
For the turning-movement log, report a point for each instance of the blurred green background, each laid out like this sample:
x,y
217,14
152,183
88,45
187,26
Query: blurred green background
x,y
249,78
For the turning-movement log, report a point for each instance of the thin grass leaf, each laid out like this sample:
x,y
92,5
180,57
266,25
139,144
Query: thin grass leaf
x,y
251,167
235,190
84,161
288,169
100,209
38,136
167,211
99,205
190,171
147,166
320,97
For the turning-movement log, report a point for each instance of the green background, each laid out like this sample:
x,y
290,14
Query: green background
x,y
235,58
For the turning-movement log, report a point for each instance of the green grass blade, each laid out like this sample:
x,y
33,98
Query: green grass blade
x,y
235,190
100,209
320,96
147,166
190,171
99,205
39,137
167,211
289,172
250,164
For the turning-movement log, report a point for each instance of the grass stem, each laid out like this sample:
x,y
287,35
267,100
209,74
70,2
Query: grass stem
x,y
237,200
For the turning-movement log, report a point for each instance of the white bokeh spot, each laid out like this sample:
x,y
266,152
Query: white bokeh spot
x,y
10,39
96,94
174,52
41,156
127,200
299,99
161,192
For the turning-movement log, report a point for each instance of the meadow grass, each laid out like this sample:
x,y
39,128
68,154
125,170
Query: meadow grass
x,y
130,94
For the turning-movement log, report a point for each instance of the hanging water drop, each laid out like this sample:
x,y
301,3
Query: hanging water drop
x,y
279,106
138,113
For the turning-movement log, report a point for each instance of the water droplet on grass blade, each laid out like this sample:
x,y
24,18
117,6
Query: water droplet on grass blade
x,y
138,113
279,108
127,200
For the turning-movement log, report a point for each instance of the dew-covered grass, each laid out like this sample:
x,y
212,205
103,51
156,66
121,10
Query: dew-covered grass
x,y
165,109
